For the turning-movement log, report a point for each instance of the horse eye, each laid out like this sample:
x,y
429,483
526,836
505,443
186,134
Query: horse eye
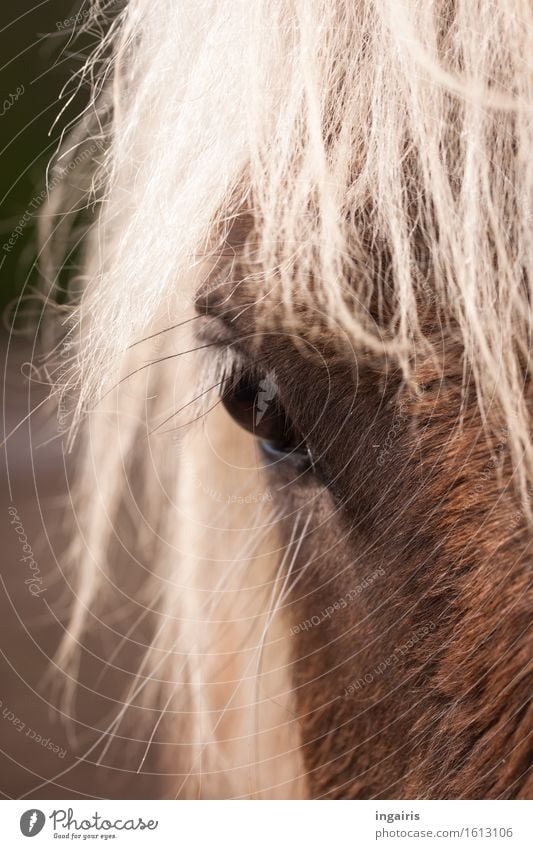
x,y
253,402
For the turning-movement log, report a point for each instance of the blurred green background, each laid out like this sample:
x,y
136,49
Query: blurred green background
x,y
41,52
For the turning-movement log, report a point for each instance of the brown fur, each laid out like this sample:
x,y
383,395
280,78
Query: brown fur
x,y
444,633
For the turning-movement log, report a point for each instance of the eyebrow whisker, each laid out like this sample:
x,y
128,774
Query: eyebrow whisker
x,y
192,421
153,363
184,407
164,330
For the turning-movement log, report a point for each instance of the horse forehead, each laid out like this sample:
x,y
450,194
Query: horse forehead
x,y
249,308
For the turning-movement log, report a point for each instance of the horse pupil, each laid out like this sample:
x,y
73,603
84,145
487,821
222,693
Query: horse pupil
x,y
258,412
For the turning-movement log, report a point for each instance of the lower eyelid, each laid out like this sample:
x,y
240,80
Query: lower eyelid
x,y
300,459
270,450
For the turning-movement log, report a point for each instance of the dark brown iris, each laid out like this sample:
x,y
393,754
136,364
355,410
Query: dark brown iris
x,y
253,402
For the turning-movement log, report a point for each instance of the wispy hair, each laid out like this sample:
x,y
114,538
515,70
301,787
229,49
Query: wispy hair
x,y
382,151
